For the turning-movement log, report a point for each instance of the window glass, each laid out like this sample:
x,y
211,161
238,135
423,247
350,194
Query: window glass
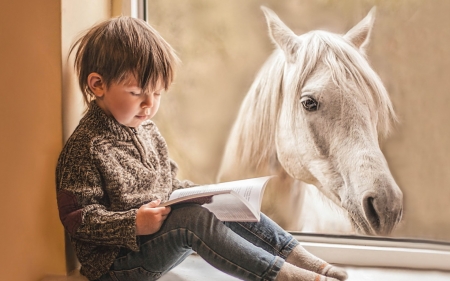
x,y
223,44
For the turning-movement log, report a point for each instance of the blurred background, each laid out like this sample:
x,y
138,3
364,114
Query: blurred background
x,y
223,44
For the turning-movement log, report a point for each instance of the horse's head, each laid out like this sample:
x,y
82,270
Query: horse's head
x,y
332,109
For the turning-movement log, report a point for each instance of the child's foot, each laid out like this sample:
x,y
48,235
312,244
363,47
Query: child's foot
x,y
303,259
334,272
291,272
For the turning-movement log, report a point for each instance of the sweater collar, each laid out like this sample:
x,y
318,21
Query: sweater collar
x,y
102,121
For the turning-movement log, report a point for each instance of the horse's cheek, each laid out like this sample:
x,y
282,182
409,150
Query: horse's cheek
x,y
290,155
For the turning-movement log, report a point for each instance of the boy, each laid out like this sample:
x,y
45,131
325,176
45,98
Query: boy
x,y
115,170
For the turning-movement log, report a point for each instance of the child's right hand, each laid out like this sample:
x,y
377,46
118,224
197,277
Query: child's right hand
x,y
150,217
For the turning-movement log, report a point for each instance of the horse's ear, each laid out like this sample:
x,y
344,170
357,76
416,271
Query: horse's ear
x,y
360,33
282,35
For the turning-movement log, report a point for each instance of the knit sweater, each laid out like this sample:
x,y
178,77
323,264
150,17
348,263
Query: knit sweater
x,y
105,172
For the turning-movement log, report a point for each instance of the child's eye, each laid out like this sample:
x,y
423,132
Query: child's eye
x,y
135,94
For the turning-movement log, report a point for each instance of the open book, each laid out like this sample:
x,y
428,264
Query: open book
x,y
229,201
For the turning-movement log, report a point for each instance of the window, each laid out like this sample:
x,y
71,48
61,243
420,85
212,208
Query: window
x,y
223,44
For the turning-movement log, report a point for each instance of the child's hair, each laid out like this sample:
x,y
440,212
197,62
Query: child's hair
x,y
121,46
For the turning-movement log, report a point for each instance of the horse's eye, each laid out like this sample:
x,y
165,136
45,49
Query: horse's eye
x,y
309,103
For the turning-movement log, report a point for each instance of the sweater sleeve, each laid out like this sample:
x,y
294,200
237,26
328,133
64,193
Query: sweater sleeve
x,y
82,205
176,183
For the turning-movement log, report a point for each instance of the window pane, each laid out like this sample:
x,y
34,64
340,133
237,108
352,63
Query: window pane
x,y
223,44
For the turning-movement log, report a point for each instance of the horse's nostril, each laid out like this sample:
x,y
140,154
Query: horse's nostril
x,y
371,213
383,209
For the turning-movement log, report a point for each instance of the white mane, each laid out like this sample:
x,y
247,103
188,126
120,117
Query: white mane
x,y
252,138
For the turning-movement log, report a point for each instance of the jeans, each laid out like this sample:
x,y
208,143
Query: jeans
x,y
248,251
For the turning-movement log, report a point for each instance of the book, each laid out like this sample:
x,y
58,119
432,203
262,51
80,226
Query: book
x,y
238,201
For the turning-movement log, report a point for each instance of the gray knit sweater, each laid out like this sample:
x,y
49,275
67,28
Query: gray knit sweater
x,y
105,172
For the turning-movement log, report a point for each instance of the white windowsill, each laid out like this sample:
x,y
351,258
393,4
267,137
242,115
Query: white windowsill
x,y
365,258
378,252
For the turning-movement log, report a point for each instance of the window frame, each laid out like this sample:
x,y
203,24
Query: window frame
x,y
349,250
135,8
369,251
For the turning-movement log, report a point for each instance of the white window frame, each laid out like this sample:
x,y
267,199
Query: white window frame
x,y
135,8
371,251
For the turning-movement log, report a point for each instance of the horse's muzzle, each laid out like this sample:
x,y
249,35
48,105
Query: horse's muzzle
x,y
383,208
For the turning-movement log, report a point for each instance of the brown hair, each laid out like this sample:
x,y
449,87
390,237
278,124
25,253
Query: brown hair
x,y
121,46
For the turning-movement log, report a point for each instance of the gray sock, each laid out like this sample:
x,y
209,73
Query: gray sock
x,y
303,259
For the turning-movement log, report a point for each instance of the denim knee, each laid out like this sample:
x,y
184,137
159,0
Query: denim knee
x,y
192,215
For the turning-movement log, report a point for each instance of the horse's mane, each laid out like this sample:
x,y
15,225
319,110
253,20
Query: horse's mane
x,y
252,139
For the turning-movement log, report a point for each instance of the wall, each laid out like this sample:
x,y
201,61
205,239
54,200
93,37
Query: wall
x,y
31,239
77,16
31,35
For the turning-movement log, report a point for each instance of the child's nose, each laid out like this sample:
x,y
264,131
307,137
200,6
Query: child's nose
x,y
148,101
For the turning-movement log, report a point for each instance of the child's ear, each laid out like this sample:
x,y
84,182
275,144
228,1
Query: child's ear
x,y
96,84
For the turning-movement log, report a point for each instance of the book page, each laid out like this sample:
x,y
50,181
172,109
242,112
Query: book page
x,y
193,197
250,189
232,207
185,192
231,201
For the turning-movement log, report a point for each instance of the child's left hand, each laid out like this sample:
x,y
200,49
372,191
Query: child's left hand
x,y
150,217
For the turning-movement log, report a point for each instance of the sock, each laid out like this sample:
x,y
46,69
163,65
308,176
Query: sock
x,y
289,272
303,259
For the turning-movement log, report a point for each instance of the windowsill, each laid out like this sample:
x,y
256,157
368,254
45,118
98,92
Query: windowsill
x,y
365,258
194,268
378,251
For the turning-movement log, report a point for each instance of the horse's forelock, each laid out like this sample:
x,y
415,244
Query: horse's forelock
x,y
344,62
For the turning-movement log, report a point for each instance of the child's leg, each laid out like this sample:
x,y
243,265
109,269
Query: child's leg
x,y
194,227
267,235
271,237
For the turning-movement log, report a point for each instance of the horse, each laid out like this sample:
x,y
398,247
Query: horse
x,y
314,115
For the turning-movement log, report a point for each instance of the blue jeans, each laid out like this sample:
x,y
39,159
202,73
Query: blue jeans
x,y
248,251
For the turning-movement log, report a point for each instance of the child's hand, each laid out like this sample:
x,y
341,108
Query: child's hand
x,y
150,217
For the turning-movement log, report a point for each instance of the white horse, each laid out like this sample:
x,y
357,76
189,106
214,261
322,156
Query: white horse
x,y
314,115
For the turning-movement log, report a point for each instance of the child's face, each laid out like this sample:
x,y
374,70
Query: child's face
x,y
129,104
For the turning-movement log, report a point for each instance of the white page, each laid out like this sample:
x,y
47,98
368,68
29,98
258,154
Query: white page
x,y
232,207
250,189
193,190
242,187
